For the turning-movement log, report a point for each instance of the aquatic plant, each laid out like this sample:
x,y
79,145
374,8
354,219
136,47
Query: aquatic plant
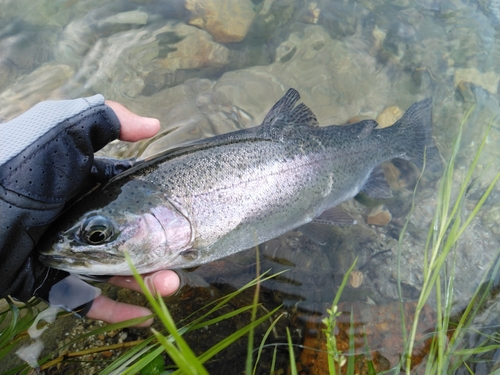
x,y
445,230
336,359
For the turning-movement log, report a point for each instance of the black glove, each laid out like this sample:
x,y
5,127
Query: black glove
x,y
46,160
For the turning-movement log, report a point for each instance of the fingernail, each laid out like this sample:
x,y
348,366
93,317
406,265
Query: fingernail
x,y
149,281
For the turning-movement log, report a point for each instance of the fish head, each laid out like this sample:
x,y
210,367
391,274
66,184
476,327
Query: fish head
x,y
131,216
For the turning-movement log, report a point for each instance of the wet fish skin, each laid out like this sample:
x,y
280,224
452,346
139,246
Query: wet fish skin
x,y
232,192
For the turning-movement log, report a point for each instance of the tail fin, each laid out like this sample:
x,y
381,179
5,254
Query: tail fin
x,y
415,127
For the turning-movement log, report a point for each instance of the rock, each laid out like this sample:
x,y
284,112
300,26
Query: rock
x,y
356,278
134,17
135,62
379,216
270,16
188,112
402,175
488,81
81,34
227,21
334,80
39,85
389,116
311,13
195,50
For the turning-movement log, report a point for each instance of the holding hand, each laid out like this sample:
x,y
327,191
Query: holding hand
x,y
49,161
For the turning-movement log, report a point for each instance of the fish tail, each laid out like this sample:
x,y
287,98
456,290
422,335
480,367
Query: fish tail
x,y
415,133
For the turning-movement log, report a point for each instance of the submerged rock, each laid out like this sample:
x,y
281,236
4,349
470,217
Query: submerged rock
x,y
488,80
335,81
136,62
379,216
31,89
389,116
227,21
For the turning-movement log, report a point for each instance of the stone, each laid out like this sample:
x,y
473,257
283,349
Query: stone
x,y
41,84
356,278
389,116
335,80
379,216
142,62
227,21
488,81
311,14
195,50
374,327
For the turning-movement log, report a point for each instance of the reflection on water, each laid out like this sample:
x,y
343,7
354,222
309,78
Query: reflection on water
x,y
209,67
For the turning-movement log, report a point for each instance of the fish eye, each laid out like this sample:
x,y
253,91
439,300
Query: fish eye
x,y
97,230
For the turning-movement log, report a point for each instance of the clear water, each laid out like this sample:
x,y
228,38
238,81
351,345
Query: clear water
x,y
348,59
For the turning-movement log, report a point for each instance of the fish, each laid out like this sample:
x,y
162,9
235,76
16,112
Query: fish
x,y
224,194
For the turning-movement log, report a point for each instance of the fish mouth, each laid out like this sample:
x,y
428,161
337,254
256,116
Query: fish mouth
x,y
63,262
80,260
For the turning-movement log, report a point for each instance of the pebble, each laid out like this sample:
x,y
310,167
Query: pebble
x,y
389,116
123,336
356,278
379,216
112,333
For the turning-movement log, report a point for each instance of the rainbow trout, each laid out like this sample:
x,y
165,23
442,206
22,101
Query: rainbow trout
x,y
228,193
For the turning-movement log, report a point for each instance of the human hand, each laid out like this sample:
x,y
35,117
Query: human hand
x,y
164,282
48,161
133,127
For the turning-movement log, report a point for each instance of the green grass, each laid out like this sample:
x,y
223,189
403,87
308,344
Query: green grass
x,y
15,321
335,358
146,355
173,344
445,230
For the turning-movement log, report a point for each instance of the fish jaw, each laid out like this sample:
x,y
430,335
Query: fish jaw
x,y
152,239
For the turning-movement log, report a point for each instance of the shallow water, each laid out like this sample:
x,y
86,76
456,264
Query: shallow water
x,y
207,71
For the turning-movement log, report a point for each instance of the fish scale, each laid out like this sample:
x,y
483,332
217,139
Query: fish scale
x,y
228,193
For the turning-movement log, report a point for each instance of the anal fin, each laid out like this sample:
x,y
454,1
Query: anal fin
x,y
334,216
318,229
376,186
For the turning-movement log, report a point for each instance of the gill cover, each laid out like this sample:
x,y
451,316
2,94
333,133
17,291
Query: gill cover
x,y
126,215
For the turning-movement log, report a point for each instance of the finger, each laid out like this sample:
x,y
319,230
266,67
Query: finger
x,y
133,127
165,282
111,311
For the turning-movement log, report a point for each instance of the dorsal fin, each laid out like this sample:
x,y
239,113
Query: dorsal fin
x,y
302,115
284,111
282,107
